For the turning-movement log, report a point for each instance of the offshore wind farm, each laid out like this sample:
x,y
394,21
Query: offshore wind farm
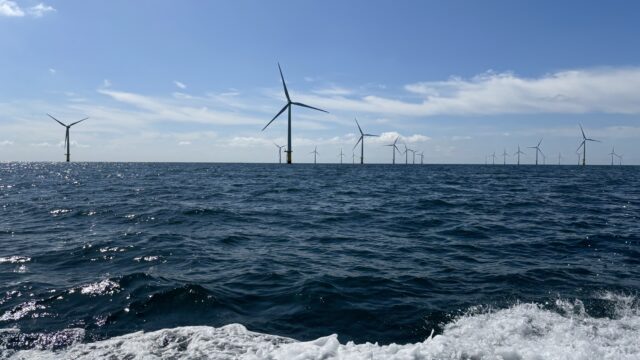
x,y
210,210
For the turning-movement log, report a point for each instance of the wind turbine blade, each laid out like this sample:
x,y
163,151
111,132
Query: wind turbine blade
x,y
370,135
359,128
59,122
286,92
540,142
77,122
593,140
310,107
581,145
278,114
356,145
396,140
582,130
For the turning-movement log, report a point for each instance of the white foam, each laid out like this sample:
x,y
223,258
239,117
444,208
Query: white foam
x,y
14,259
521,332
104,287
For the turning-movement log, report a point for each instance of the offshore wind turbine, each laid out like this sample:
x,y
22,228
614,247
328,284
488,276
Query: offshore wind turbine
x,y
421,157
414,156
559,158
612,153
544,159
578,152
583,145
537,147
406,154
518,154
361,140
279,152
67,143
353,157
341,156
620,159
394,147
288,107
493,156
504,157
315,154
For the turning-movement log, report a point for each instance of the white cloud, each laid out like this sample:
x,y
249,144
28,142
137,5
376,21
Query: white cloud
x,y
10,8
52,71
6,142
40,10
180,85
460,137
106,83
165,109
603,90
42,144
184,143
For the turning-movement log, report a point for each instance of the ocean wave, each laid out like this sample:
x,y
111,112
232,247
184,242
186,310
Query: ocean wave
x,y
562,330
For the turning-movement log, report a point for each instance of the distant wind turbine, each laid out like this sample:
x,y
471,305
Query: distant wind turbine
x,y
504,157
537,147
619,158
578,152
612,153
544,158
361,140
341,156
518,154
353,157
493,156
279,152
394,147
315,154
67,142
288,107
559,158
414,156
583,145
421,157
406,154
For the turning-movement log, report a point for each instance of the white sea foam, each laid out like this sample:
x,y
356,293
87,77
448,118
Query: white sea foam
x,y
104,287
521,332
14,259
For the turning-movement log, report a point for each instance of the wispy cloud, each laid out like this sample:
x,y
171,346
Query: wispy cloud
x,y
603,90
12,9
40,10
168,110
52,71
180,85
6,142
184,143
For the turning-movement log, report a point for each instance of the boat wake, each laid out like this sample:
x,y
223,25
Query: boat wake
x,y
562,330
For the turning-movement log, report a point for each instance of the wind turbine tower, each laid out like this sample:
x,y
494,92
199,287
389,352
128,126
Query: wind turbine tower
x,y
361,140
612,153
67,142
288,107
315,154
394,147
583,145
504,157
537,147
279,152
518,154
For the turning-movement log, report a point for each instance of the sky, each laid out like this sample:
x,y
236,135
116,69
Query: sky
x,y
197,81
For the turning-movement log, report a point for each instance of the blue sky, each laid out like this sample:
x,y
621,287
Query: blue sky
x,y
197,81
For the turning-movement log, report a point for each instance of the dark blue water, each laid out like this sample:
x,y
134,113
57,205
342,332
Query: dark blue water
x,y
372,253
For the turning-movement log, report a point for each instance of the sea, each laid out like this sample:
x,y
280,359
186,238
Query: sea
x,y
327,261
